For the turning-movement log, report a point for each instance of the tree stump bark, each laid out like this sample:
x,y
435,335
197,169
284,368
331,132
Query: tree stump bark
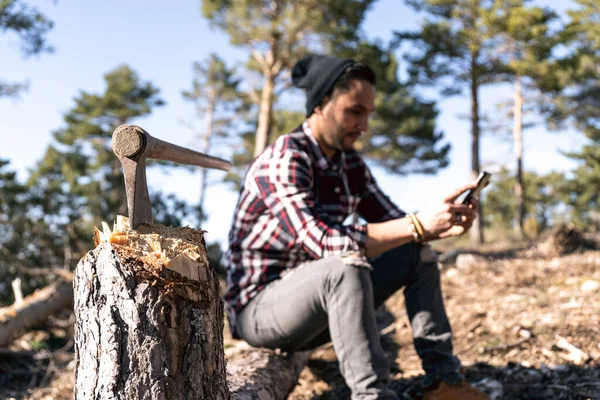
x,y
149,320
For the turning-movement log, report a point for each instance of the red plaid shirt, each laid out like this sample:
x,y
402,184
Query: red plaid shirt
x,y
291,209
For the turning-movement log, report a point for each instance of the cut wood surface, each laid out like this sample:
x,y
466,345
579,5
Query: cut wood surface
x,y
262,374
33,310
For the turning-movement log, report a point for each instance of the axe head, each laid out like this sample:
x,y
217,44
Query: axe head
x,y
129,141
132,145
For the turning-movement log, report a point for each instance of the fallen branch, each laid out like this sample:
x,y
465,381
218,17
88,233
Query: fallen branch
x,y
63,273
33,310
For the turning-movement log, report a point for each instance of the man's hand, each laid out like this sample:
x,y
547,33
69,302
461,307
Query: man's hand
x,y
449,218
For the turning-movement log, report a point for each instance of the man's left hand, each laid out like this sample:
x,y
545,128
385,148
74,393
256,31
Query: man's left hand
x,y
463,222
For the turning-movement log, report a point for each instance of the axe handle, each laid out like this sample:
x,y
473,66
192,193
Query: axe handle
x,y
161,150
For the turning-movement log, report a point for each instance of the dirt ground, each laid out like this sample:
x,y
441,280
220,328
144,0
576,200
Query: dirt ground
x,y
526,326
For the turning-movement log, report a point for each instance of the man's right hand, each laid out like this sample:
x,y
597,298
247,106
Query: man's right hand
x,y
441,221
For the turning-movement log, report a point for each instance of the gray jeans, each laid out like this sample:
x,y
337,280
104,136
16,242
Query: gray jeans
x,y
330,300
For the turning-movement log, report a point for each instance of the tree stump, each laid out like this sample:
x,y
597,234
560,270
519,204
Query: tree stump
x,y
149,317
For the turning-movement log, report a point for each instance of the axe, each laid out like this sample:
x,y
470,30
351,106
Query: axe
x,y
133,146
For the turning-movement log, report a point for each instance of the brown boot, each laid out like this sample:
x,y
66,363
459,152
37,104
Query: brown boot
x,y
460,391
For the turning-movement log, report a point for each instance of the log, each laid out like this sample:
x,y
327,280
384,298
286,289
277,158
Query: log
x,y
144,330
34,310
263,374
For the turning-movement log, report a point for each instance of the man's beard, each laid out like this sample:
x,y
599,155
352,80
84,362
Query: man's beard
x,y
338,138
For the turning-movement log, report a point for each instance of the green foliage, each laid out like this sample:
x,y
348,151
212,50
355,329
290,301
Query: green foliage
x,y
25,238
579,103
523,52
13,223
32,27
169,210
214,85
582,192
28,23
580,99
452,45
543,193
403,137
289,25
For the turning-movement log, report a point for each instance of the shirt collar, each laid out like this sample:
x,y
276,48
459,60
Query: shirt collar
x,y
324,162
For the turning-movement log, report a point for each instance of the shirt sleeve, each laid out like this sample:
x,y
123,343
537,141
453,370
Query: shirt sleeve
x,y
285,184
375,206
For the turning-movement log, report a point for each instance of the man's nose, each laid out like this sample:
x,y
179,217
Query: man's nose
x,y
363,124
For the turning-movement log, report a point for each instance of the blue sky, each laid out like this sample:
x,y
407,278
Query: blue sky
x,y
161,40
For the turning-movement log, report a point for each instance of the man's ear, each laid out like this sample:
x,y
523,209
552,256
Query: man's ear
x,y
320,107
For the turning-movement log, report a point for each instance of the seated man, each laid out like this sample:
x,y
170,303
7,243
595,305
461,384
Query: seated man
x,y
298,278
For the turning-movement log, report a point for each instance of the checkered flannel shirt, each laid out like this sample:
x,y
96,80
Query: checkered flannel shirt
x,y
292,209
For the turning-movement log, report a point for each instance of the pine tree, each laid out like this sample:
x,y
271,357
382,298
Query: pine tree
x,y
543,194
452,53
14,252
216,97
277,34
27,239
32,27
579,103
523,57
79,180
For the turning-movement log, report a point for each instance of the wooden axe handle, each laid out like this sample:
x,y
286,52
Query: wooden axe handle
x,y
134,142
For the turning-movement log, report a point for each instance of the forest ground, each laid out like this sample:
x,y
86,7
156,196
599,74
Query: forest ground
x,y
526,326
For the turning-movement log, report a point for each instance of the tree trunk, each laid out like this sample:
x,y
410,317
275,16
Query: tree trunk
x,y
477,228
33,310
209,120
518,142
143,331
265,115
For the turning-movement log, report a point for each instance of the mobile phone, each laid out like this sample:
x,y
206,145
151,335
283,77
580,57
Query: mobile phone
x,y
482,180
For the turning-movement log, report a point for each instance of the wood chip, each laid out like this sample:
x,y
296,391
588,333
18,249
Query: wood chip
x,y
179,249
575,354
